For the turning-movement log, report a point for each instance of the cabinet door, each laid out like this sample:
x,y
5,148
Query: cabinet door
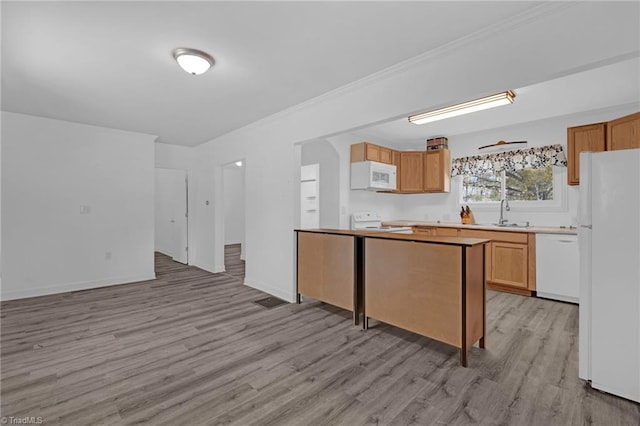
x,y
372,152
624,133
411,174
395,156
582,138
385,155
437,167
509,264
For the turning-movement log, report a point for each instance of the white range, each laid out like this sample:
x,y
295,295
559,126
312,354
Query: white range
x,y
370,221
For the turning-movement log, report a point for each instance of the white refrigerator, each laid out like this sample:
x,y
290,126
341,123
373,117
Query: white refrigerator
x,y
609,245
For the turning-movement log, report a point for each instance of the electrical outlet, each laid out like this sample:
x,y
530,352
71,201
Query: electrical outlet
x,y
107,255
446,217
426,216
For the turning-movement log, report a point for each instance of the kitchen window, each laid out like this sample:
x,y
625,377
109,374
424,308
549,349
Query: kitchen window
x,y
530,176
516,185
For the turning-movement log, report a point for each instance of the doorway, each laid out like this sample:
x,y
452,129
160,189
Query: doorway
x,y
171,214
234,218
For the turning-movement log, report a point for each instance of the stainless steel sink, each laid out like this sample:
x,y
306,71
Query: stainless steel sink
x,y
513,225
504,225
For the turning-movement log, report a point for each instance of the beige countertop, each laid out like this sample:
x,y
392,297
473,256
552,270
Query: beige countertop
x,y
532,229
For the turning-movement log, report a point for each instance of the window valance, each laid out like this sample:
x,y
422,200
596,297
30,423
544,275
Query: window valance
x,y
528,158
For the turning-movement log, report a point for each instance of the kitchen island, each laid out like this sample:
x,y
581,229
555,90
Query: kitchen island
x,y
432,286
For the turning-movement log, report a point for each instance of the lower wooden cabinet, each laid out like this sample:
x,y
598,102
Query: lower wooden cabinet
x,y
509,264
510,260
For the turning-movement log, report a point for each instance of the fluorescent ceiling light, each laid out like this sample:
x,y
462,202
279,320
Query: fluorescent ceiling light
x,y
193,61
503,98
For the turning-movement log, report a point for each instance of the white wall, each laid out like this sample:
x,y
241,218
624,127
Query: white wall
x,y
49,169
233,204
445,207
559,41
323,153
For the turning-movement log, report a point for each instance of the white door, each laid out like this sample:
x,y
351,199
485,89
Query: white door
x,y
309,196
171,213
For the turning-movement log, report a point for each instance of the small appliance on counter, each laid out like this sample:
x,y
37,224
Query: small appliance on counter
x,y
370,221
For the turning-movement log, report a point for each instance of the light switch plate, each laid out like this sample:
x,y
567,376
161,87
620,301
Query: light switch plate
x,y
85,209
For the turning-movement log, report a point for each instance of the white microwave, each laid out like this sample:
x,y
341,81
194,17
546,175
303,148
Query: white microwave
x,y
373,176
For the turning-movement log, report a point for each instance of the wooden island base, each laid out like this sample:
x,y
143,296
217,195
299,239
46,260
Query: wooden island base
x,y
432,286
434,290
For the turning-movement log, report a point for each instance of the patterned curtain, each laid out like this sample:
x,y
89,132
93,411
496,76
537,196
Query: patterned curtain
x,y
529,158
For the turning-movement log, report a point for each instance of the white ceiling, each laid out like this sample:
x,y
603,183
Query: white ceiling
x,y
600,88
110,63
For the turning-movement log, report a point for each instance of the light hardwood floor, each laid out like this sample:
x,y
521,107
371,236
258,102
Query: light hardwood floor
x,y
190,348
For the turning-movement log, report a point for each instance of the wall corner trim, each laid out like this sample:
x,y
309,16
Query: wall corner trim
x,y
214,269
269,289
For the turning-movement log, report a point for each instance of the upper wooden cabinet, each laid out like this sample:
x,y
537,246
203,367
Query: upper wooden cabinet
x,y
624,133
621,133
365,151
416,171
437,170
411,171
582,138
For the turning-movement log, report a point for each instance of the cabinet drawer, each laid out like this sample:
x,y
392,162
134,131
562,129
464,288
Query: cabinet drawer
x,y
447,232
425,230
511,237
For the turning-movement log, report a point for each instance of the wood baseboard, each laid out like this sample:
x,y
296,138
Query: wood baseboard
x,y
508,289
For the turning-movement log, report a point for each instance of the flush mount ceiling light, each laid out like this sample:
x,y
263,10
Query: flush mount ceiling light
x,y
503,98
239,163
193,61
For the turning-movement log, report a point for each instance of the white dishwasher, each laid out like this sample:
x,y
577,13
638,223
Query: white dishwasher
x,y
557,267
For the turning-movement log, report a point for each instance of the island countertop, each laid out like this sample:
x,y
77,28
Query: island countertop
x,y
456,241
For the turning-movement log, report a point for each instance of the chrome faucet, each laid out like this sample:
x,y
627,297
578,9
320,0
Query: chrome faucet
x,y
504,205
